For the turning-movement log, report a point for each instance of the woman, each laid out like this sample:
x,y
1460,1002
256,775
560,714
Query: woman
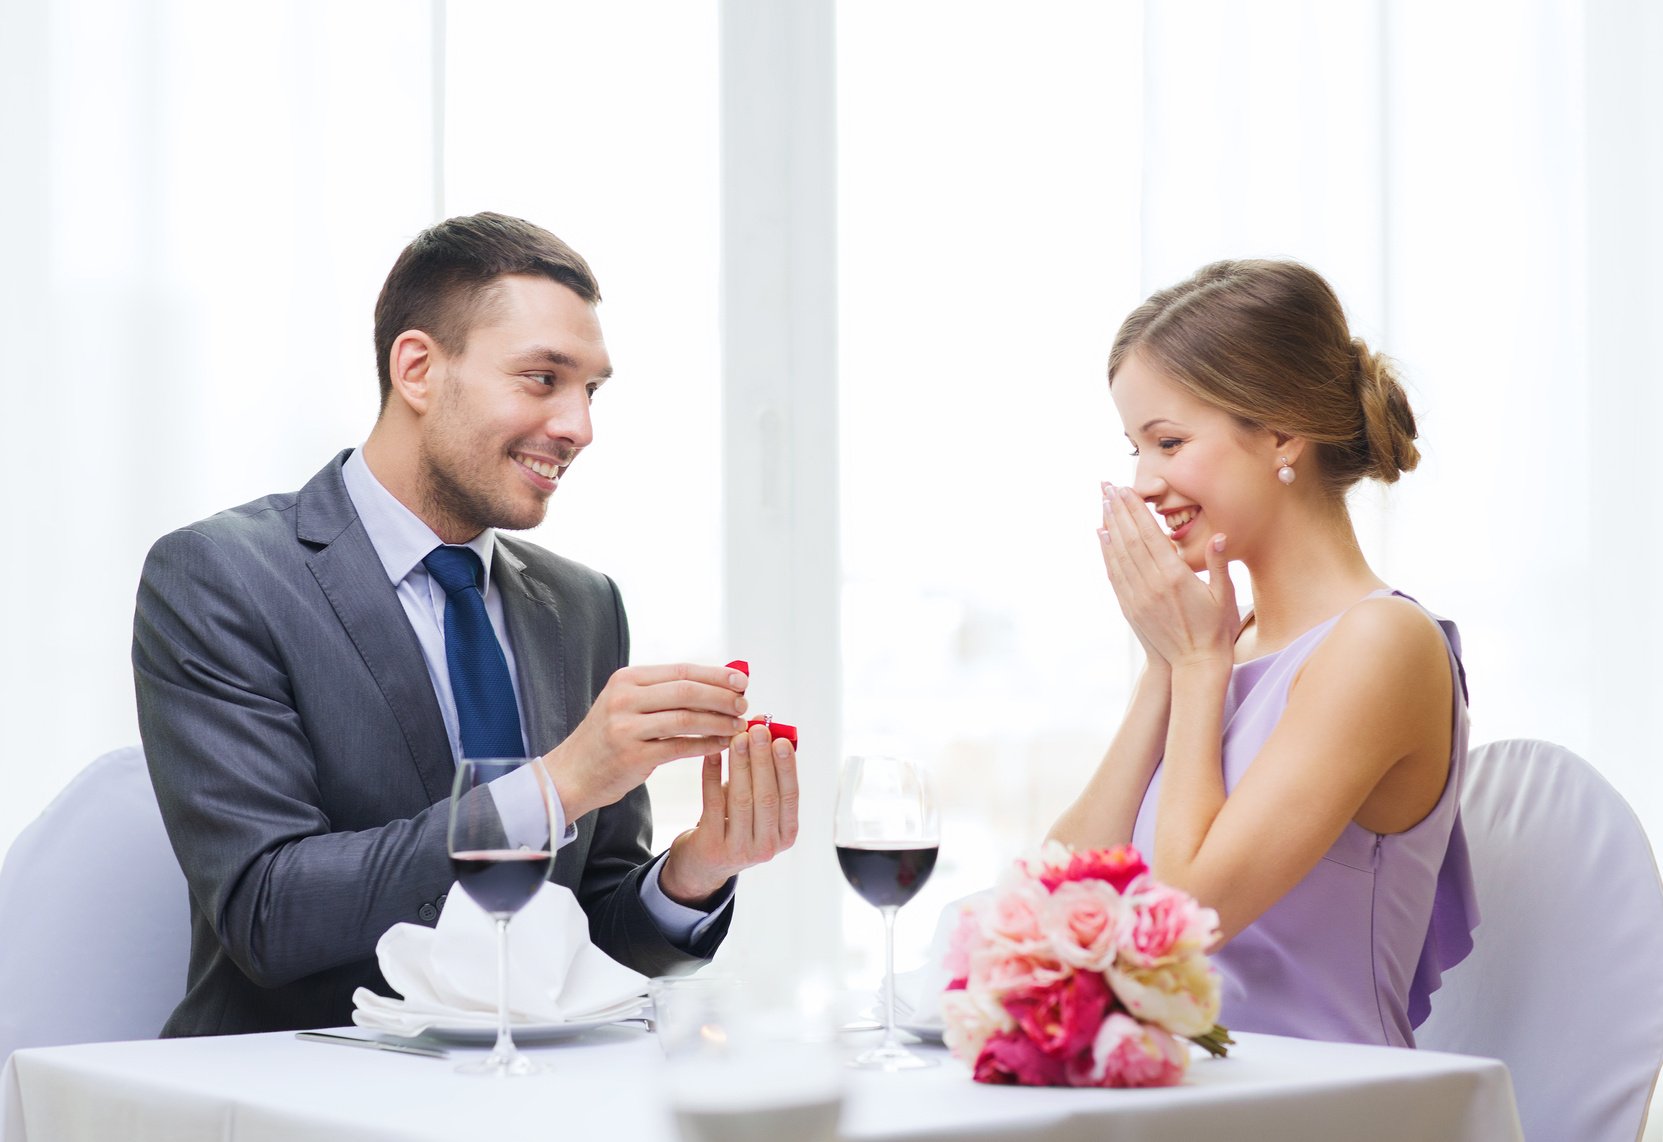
x,y
1298,770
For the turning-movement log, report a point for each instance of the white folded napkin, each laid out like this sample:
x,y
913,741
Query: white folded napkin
x,y
448,974
918,992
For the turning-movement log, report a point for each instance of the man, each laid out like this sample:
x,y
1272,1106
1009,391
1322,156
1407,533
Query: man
x,y
298,707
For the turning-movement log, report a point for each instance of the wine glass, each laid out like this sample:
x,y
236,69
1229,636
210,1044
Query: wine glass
x,y
887,837
500,854
741,1063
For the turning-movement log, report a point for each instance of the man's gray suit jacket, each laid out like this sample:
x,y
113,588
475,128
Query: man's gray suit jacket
x,y
303,766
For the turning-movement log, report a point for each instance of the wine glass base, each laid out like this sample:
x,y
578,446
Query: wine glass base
x,y
891,1057
512,1066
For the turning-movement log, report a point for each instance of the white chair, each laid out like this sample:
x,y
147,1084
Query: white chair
x,y
1565,980
94,918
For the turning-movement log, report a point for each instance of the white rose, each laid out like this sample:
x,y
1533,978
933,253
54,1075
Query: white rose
x,y
1183,996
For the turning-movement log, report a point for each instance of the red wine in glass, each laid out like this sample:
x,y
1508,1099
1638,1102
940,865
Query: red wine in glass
x,y
500,864
886,877
887,833
501,881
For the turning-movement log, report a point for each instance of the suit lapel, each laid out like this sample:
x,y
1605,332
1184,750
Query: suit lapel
x,y
351,577
532,612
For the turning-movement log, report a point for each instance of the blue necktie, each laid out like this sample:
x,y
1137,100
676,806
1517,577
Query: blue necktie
x,y
486,711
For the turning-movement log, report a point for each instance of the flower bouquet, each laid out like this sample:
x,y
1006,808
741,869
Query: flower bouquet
x,y
1080,969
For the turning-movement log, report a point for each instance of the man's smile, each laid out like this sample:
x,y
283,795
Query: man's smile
x,y
540,466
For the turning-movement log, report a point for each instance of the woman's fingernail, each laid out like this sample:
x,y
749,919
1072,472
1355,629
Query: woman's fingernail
x,y
1103,534
782,749
1218,543
1108,488
742,744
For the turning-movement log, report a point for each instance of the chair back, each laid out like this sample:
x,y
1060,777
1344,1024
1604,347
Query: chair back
x,y
1565,980
94,915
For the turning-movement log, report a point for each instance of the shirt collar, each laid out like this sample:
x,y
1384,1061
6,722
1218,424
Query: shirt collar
x,y
400,538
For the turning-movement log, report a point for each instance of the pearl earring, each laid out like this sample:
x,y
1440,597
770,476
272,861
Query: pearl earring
x,y
1285,473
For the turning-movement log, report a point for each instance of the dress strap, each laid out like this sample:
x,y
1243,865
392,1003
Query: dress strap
x,y
1452,636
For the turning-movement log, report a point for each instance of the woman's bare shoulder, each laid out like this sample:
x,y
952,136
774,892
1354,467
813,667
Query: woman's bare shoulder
x,y
1384,635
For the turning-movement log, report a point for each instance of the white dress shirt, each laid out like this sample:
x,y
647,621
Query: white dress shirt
x,y
401,541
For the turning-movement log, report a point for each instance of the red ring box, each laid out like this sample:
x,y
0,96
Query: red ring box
x,y
776,730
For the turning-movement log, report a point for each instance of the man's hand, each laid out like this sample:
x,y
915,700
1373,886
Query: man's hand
x,y
645,716
747,820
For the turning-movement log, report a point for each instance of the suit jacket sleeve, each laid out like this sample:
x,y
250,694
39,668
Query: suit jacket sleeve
x,y
287,891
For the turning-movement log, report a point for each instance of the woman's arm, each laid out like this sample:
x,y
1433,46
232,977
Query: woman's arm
x,y
1107,807
1373,700
1192,788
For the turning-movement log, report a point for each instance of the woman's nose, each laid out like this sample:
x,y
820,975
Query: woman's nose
x,y
1145,483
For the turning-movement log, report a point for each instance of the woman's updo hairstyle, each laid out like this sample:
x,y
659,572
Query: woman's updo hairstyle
x,y
1267,342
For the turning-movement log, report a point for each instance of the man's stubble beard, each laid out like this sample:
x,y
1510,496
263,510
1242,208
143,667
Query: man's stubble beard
x,y
457,490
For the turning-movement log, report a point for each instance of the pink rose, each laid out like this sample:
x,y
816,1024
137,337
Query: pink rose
x,y
1002,971
1118,866
1011,918
1166,924
1127,1053
1086,922
959,947
1062,1019
1011,1057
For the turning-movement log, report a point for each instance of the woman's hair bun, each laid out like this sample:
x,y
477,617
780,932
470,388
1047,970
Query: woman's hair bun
x,y
1388,421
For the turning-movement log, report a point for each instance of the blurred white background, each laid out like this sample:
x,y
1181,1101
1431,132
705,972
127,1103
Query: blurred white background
x,y
202,199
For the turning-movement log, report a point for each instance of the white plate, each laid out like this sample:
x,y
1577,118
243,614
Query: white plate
x,y
904,1021
524,1033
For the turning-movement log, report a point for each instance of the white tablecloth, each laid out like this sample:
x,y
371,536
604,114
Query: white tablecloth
x,y
609,1084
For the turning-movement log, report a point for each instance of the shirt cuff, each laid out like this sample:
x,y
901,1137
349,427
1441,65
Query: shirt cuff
x,y
682,926
516,795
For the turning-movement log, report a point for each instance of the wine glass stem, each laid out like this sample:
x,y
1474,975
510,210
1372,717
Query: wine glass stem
x,y
888,975
505,1042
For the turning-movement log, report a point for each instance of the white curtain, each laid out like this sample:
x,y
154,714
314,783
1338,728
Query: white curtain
x,y
1428,158
1621,313
1480,182
203,199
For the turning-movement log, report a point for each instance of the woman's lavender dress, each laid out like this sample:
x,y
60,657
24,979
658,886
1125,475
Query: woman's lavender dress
x,y
1355,950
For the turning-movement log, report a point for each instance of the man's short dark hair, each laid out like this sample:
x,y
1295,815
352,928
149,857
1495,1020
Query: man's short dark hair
x,y
445,280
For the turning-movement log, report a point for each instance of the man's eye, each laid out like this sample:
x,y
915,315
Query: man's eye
x,y
546,379
593,389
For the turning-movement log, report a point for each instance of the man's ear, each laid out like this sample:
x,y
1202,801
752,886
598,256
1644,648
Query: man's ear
x,y
412,364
